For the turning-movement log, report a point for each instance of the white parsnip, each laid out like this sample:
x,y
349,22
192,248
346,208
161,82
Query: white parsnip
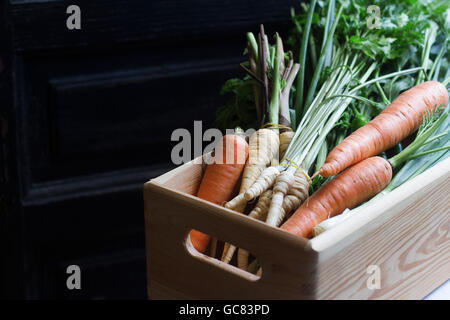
x,y
236,202
262,206
298,192
296,195
282,185
285,140
260,213
264,182
263,147
242,259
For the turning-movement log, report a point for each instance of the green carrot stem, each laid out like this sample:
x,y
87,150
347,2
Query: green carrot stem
x,y
312,42
437,62
393,80
437,71
322,155
333,112
398,148
302,59
430,36
408,152
428,152
313,50
328,23
320,63
446,82
359,98
390,75
297,25
424,167
435,137
380,90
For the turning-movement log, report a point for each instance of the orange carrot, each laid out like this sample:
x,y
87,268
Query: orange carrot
x,y
400,119
220,178
352,187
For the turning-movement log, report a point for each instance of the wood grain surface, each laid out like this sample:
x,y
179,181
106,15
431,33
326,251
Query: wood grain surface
x,y
406,235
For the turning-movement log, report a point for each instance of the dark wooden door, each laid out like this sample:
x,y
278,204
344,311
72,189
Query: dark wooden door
x,y
87,117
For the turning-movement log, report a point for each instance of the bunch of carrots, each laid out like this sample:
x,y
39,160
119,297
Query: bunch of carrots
x,y
292,176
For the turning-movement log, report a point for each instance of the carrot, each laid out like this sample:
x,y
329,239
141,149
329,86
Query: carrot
x,y
359,182
427,145
353,186
220,178
400,119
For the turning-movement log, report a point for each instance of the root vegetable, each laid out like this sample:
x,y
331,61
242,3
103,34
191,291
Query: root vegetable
x,y
263,147
353,186
282,185
265,180
219,180
259,212
359,182
297,193
285,140
400,119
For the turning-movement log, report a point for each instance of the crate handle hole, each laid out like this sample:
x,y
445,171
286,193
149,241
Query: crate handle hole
x,y
214,250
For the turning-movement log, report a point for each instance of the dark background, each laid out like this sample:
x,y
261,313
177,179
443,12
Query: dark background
x,y
86,118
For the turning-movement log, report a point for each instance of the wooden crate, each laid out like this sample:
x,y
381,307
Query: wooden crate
x,y
405,234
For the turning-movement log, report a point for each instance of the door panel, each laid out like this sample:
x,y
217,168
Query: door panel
x,y
87,117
